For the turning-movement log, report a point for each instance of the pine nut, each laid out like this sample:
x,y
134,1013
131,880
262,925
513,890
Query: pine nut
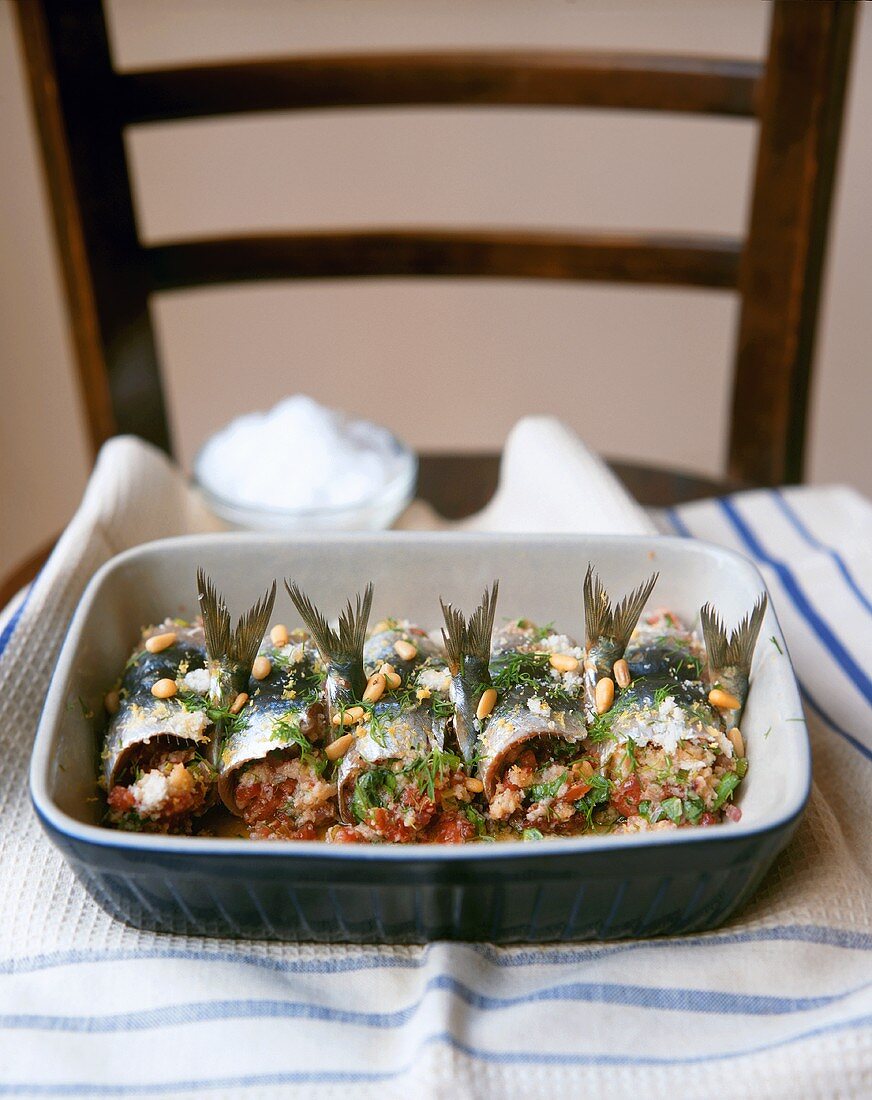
x,y
586,769
405,650
386,668
605,694
339,747
239,702
375,687
393,680
474,785
164,689
279,635
622,674
563,662
160,642
723,700
486,703
348,717
112,701
261,668
381,626
737,741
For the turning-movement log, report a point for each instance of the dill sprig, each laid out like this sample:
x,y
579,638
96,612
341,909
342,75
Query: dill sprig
x,y
529,672
432,768
219,716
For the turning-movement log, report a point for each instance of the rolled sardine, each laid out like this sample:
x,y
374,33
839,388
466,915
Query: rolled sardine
x,y
156,757
271,769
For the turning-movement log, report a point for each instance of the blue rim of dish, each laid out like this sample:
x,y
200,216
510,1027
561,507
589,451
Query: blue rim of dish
x,y
57,820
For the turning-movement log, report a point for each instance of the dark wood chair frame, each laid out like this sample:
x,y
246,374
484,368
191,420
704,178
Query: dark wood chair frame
x,y
82,107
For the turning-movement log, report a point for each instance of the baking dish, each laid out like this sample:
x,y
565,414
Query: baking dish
x,y
563,889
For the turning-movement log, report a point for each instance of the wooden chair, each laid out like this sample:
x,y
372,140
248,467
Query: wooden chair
x,y
82,107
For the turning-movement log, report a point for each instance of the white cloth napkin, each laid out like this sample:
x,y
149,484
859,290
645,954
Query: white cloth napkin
x,y
777,1003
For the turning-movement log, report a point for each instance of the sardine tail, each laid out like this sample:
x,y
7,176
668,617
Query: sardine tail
x,y
735,650
216,617
344,643
454,636
597,608
627,612
251,628
601,620
325,638
480,627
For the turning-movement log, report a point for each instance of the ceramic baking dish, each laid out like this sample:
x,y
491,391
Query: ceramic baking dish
x,y
563,889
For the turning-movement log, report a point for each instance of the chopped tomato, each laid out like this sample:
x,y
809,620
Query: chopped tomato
x,y
346,834
576,791
626,795
708,819
390,826
452,828
121,799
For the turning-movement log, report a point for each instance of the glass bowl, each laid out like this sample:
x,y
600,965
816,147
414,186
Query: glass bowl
x,y
375,513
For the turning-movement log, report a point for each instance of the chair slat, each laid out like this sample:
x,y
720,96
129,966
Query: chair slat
x,y
511,78
653,259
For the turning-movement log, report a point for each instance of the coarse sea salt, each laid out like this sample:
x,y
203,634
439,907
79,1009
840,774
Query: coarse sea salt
x,y
298,456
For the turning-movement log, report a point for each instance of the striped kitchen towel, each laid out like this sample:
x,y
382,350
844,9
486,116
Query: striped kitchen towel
x,y
776,1004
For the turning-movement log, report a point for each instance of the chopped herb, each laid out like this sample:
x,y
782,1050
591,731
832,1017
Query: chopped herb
x,y
370,790
477,819
725,789
287,731
531,834
644,807
774,641
766,734
220,717
440,706
694,808
540,791
435,766
630,753
742,767
661,695
599,791
672,808
530,672
601,727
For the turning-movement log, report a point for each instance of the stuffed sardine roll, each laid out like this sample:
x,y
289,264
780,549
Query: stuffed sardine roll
x,y
669,745
272,770
533,761
156,760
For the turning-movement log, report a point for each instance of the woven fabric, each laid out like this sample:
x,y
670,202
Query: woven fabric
x,y
777,1003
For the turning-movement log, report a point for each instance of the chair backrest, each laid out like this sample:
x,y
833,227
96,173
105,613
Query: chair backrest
x,y
83,105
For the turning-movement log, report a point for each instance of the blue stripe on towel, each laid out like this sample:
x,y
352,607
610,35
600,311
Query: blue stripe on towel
x,y
796,522
681,528
442,1037
813,705
9,629
843,657
716,1002
818,935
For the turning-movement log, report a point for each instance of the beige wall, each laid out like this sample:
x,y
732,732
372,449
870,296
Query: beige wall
x,y
640,373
